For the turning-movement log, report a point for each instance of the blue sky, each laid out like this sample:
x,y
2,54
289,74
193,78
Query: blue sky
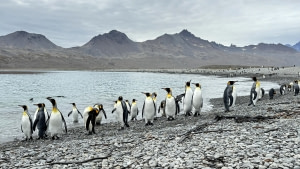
x,y
70,23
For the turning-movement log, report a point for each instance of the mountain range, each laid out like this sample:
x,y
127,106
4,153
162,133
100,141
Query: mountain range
x,y
23,50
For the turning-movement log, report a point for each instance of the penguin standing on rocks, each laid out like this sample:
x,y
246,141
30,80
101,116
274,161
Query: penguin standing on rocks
x,y
254,92
56,121
296,88
89,117
282,89
227,96
149,109
272,92
101,114
154,97
234,94
134,110
75,112
188,99
26,123
121,112
40,121
170,105
47,116
197,99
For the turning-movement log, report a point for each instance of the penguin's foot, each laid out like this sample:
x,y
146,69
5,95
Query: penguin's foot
x,y
155,118
89,133
188,114
147,124
122,128
170,118
249,104
150,123
127,125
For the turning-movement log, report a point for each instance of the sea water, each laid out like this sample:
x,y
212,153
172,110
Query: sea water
x,y
86,88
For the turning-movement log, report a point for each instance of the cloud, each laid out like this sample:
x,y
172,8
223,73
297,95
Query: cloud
x,y
74,22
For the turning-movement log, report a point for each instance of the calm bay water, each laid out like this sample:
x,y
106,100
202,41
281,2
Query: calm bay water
x,y
86,88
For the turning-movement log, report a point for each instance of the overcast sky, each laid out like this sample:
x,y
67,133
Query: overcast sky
x,y
70,23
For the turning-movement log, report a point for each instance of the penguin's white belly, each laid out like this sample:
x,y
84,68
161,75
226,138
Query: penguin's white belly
x,y
149,111
75,115
258,91
187,102
55,124
99,118
119,114
26,127
234,95
197,100
170,108
134,111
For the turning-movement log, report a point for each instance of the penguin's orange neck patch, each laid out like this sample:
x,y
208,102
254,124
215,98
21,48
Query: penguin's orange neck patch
x,y
24,113
169,95
54,110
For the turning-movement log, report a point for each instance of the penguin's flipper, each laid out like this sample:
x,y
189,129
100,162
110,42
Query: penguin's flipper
x,y
262,92
143,109
79,113
70,113
154,106
22,128
179,97
36,121
104,113
137,113
30,120
88,122
254,93
230,100
113,110
63,119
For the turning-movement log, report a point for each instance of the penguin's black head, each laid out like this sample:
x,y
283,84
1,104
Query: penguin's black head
x,y
197,84
154,94
73,104
254,79
51,100
133,100
24,107
296,81
127,101
188,84
167,89
39,105
147,94
120,98
231,82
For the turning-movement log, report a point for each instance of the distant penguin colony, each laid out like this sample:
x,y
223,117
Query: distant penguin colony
x,y
54,124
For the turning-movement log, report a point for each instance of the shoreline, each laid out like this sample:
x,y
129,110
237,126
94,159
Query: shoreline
x,y
144,144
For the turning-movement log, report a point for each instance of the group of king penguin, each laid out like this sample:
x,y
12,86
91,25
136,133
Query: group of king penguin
x,y
55,124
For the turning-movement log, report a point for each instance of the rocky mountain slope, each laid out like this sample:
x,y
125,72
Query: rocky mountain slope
x,y
23,50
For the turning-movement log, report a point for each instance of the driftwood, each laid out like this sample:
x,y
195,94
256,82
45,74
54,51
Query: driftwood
x,y
84,161
197,128
241,119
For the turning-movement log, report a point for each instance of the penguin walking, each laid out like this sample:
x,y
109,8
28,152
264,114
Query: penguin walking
x,y
188,99
197,99
26,123
134,110
75,112
40,121
121,112
227,96
296,88
149,109
170,107
100,114
56,120
282,89
272,92
89,117
254,92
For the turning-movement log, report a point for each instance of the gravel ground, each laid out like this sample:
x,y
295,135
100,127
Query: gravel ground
x,y
271,141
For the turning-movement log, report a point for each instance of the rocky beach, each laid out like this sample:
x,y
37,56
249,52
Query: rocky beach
x,y
264,136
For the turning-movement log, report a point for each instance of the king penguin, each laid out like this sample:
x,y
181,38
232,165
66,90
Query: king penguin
x,y
272,92
261,93
188,99
162,107
170,105
89,117
26,123
56,121
47,116
100,114
121,112
227,96
75,113
134,110
234,94
254,92
197,99
40,121
154,97
282,89
149,109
